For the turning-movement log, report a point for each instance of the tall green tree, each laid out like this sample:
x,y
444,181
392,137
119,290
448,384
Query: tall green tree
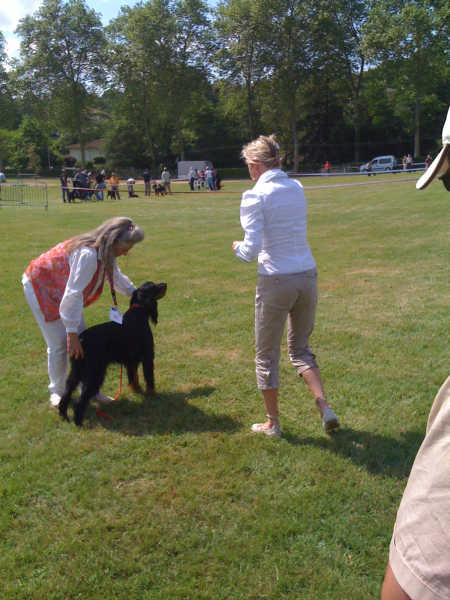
x,y
291,55
340,38
8,107
410,39
156,60
241,56
62,52
31,146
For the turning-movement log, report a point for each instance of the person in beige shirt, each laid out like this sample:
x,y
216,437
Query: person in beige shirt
x,y
419,554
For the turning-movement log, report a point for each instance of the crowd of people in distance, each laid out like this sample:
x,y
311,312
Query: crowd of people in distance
x,y
407,161
92,185
208,178
83,185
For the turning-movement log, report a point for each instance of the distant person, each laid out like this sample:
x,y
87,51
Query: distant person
x,y
327,167
147,182
60,282
191,178
165,178
428,160
209,179
409,161
404,162
76,184
83,184
218,180
64,186
197,182
130,187
100,185
90,184
273,217
114,182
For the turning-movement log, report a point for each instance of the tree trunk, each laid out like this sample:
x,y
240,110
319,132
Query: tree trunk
x,y
294,134
250,108
82,146
357,139
417,129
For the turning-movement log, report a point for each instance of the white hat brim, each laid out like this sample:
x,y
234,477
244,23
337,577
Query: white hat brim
x,y
439,166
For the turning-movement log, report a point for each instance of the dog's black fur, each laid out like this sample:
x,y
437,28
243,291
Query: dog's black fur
x,y
159,189
128,344
111,194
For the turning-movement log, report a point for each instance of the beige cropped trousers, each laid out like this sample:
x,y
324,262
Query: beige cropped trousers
x,y
279,298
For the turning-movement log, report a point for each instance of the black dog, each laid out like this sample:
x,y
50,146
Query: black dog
x,y
159,189
128,344
111,194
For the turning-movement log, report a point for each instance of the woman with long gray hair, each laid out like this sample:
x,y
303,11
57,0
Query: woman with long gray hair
x,y
273,216
60,282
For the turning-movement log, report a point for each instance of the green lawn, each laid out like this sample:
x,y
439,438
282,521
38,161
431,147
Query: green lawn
x,y
176,499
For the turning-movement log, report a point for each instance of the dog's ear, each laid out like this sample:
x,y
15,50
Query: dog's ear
x,y
154,312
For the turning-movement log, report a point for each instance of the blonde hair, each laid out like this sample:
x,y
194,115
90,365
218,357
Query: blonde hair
x,y
264,150
103,238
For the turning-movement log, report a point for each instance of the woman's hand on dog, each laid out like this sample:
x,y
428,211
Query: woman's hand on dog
x,y
74,347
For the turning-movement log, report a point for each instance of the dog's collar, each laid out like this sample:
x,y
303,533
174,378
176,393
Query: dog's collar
x,y
136,306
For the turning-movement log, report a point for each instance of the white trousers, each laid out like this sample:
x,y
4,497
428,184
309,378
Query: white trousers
x,y
55,337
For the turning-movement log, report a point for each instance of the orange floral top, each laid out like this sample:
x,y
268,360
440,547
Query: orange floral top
x,y
49,274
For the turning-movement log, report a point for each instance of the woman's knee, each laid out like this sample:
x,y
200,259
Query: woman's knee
x,y
58,350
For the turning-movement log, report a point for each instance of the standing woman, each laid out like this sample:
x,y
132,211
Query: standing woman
x,y
273,216
60,282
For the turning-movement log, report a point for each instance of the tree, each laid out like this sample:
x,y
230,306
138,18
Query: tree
x,y
410,38
8,109
290,59
155,53
341,38
31,146
241,51
62,51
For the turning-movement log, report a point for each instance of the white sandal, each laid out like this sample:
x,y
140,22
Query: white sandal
x,y
273,430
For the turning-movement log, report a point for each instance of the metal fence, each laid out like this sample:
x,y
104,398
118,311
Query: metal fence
x,y
24,194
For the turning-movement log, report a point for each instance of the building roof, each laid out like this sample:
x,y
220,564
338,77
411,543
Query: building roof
x,y
93,145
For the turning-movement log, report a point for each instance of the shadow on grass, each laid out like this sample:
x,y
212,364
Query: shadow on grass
x,y
379,454
168,412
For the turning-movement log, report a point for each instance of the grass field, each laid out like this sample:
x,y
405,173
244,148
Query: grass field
x,y
176,499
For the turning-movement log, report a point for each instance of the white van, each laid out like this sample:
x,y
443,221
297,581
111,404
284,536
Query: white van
x,y
380,163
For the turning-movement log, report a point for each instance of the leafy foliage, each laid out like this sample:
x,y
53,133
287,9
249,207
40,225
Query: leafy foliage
x,y
176,79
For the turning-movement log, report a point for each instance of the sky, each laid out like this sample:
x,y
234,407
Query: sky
x,y
11,12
